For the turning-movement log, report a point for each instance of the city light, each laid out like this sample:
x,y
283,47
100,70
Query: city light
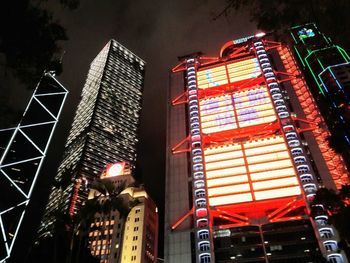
x,y
116,169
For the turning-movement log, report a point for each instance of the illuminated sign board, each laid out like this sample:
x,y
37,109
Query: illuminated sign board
x,y
250,171
115,169
228,73
241,40
241,109
306,33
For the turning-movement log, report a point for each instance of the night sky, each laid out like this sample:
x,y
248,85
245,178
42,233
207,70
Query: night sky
x,y
157,31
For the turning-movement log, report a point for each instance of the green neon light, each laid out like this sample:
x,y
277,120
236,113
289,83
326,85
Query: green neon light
x,y
304,25
310,53
313,74
293,38
343,53
317,50
319,62
300,58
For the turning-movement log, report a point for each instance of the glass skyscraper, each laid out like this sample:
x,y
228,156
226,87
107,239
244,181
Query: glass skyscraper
x,y
104,129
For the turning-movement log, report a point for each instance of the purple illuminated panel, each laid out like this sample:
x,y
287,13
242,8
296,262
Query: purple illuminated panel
x,y
242,109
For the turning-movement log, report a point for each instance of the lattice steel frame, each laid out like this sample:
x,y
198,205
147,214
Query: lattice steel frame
x,y
45,103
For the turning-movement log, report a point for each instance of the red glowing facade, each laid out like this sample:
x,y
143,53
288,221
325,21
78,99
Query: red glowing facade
x,y
248,163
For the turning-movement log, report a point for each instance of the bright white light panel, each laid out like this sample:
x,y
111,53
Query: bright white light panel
x,y
229,73
242,109
254,170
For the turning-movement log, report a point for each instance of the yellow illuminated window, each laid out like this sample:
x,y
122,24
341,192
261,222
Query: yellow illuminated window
x,y
228,189
272,174
268,157
224,164
270,166
222,149
286,191
227,180
212,77
225,172
223,156
218,129
270,169
230,199
290,181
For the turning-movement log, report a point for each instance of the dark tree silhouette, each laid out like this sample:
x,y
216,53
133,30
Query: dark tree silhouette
x,y
278,15
29,44
337,206
28,39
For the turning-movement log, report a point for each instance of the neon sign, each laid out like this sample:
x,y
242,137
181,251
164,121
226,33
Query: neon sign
x,y
242,109
115,169
306,33
230,73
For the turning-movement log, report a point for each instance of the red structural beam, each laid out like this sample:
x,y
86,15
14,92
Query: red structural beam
x,y
226,226
183,218
176,149
182,98
240,217
208,60
271,44
230,87
289,218
179,67
290,206
237,51
261,209
239,133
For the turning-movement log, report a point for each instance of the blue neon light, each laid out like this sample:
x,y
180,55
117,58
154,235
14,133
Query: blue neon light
x,y
306,33
209,78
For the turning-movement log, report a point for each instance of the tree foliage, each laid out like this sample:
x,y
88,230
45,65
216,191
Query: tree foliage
x,y
278,15
28,39
337,206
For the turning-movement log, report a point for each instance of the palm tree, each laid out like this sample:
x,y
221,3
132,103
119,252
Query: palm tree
x,y
107,198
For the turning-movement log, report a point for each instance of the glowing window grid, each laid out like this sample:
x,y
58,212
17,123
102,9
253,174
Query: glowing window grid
x,y
242,109
253,170
233,72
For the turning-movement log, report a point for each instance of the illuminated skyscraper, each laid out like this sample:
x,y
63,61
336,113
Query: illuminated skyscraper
x,y
328,66
104,129
22,152
244,160
132,237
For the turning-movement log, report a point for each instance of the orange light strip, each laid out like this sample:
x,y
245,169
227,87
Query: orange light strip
x,y
181,219
333,160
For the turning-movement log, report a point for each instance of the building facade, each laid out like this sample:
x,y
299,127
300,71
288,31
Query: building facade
x,y
22,152
244,160
104,128
131,237
328,66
